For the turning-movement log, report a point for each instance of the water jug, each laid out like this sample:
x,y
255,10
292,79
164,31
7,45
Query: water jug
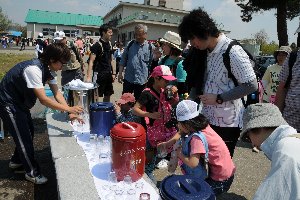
x,y
128,150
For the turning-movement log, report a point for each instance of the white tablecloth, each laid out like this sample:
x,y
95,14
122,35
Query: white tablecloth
x,y
100,169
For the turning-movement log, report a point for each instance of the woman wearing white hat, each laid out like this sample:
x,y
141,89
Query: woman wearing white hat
x,y
171,46
270,79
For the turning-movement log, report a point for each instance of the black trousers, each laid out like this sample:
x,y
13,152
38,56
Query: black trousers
x,y
133,88
230,136
20,126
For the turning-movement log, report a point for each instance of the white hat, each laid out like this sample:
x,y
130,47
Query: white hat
x,y
40,35
173,39
285,49
59,35
261,115
186,110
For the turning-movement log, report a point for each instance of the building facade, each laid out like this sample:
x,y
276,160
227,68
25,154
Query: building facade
x,y
47,22
160,16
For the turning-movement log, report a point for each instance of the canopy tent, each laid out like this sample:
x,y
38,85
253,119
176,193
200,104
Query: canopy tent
x,y
14,33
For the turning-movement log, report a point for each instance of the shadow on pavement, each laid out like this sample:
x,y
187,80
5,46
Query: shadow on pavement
x,y
231,196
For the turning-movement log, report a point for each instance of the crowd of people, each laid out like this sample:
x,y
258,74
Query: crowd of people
x,y
183,95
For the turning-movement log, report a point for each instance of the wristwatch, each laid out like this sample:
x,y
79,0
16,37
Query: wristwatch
x,y
219,99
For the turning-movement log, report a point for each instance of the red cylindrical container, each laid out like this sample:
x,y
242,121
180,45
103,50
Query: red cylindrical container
x,y
128,150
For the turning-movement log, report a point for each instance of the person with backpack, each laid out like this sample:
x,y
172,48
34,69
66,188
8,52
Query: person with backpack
x,y
201,146
221,97
101,62
154,106
40,45
269,132
270,79
288,91
75,67
136,58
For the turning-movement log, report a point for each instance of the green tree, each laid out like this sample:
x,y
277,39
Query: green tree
x,y
4,21
286,9
268,49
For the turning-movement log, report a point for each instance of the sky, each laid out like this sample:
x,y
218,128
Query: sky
x,y
224,12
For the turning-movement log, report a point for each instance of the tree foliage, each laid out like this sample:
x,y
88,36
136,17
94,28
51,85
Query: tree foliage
x,y
269,49
286,9
4,21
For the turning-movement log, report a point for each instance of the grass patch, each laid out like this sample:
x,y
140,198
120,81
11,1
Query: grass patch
x,y
8,60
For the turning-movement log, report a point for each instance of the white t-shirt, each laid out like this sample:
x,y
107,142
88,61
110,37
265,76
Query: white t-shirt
x,y
228,114
33,77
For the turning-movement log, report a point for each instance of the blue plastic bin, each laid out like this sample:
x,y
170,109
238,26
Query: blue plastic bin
x,y
183,187
102,118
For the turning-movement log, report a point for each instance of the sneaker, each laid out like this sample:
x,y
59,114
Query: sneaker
x,y
162,164
13,165
40,179
254,149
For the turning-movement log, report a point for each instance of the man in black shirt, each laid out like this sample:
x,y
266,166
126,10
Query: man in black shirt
x,y
100,61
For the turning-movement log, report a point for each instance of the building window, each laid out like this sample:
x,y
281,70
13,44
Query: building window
x,y
148,2
48,31
162,3
71,33
87,33
123,37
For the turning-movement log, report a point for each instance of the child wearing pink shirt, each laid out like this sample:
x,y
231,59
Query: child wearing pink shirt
x,y
200,144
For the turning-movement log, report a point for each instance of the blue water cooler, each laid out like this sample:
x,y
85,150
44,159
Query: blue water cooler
x,y
102,118
183,187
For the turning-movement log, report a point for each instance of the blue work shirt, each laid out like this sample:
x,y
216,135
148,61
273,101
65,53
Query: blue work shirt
x,y
137,59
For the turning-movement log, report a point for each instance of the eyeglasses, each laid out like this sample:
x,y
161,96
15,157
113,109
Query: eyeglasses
x,y
63,63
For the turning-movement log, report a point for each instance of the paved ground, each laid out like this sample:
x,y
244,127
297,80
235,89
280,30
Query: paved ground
x,y
251,167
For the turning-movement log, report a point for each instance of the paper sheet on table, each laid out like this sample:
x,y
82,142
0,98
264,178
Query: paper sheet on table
x,y
100,171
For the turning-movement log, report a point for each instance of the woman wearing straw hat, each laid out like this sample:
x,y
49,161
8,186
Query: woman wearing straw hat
x,y
171,46
270,79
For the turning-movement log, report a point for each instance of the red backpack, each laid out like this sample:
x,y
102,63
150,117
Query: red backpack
x,y
158,132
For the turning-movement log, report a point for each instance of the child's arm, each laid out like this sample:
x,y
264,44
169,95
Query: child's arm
x,y
137,110
171,142
192,161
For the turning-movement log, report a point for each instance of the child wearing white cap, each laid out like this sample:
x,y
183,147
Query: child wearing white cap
x,y
201,144
268,131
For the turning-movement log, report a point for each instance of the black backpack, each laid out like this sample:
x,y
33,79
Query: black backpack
x,y
292,60
254,96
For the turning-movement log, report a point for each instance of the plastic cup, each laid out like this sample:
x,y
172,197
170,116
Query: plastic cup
x,y
127,179
144,196
139,186
162,153
112,177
